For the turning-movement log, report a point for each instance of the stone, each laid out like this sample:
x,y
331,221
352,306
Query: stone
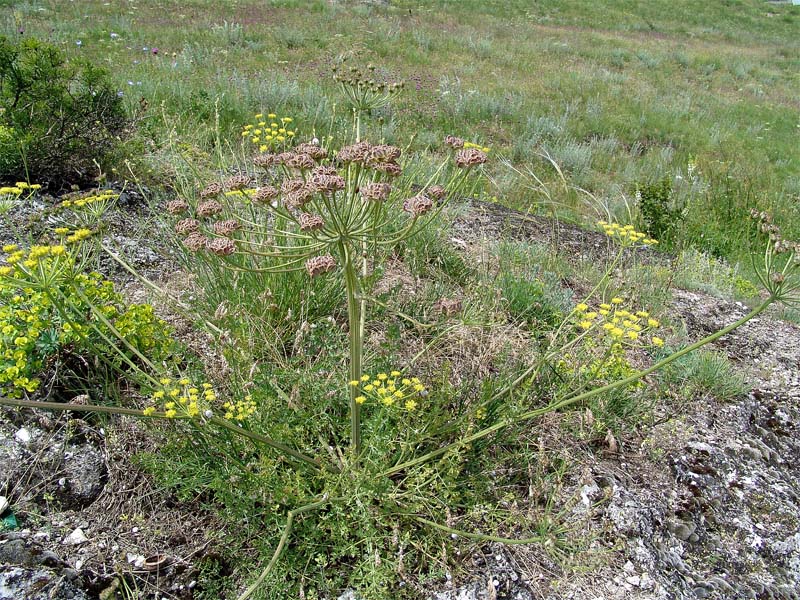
x,y
76,538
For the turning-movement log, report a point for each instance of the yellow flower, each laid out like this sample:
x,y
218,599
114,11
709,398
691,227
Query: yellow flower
x,y
369,387
582,307
657,341
354,383
148,411
171,414
5,271
410,405
158,394
653,323
361,399
271,116
11,247
633,335
585,324
365,377
617,300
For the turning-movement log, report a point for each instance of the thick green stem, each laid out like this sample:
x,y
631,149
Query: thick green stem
x,y
584,396
355,318
287,530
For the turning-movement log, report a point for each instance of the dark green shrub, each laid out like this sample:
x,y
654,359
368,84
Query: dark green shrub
x,y
659,215
59,116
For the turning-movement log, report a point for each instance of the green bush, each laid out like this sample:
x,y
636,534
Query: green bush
x,y
56,320
57,116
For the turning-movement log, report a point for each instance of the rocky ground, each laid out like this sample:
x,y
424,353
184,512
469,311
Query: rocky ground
x,y
705,504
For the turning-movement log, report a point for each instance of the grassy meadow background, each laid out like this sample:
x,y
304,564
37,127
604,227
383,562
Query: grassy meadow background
x,y
618,94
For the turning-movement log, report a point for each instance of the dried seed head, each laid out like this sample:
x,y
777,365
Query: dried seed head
x,y
355,153
469,157
265,194
209,208
227,227
418,205
303,162
453,141
265,160
377,192
315,151
324,170
778,278
448,306
320,264
280,159
186,226
327,183
221,246
237,182
309,222
211,190
292,185
298,198
177,207
436,192
390,168
384,153
195,241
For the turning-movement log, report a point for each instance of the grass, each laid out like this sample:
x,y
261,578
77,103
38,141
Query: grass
x,y
583,105
616,97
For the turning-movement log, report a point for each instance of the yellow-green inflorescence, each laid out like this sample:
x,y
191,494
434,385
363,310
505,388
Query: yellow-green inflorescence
x,y
269,131
621,325
626,235
11,194
182,398
390,389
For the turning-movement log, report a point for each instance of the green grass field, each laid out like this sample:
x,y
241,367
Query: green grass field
x,y
618,94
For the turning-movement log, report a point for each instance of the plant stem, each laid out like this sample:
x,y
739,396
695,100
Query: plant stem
x,y
287,530
481,536
115,410
355,319
584,396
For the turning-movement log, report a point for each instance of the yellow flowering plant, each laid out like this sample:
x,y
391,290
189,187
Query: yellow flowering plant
x,y
270,132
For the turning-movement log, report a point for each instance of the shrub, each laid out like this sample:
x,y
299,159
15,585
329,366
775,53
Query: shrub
x,y
57,116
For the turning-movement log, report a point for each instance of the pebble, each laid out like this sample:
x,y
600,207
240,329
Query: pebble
x,y
76,538
4,504
23,436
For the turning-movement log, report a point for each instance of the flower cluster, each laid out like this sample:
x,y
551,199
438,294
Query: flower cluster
x,y
36,323
181,398
269,131
626,235
10,194
390,389
621,325
103,197
363,90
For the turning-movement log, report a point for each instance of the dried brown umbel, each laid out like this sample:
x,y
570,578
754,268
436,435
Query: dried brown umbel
x,y
209,208
186,226
292,185
177,207
227,227
237,182
377,192
221,246
357,153
324,170
195,241
448,306
327,183
315,151
469,157
309,222
298,198
778,278
418,205
384,153
264,160
453,141
211,190
436,192
265,194
390,168
302,162
318,265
